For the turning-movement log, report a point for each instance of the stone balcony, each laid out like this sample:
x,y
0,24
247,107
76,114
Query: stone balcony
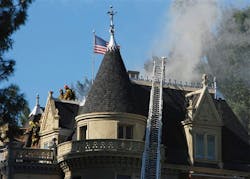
x,y
21,155
100,147
23,160
96,148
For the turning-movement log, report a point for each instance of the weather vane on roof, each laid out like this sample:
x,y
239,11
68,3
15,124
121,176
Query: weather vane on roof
x,y
112,43
111,14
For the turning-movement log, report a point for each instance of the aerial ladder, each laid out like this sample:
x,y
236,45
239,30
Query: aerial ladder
x,y
151,159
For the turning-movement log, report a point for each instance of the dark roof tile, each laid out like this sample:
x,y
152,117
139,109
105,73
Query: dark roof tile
x,y
67,112
111,91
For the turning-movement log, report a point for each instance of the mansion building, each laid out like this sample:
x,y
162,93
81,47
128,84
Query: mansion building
x,y
104,138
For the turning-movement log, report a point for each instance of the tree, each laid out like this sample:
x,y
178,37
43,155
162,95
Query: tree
x,y
228,58
11,107
13,14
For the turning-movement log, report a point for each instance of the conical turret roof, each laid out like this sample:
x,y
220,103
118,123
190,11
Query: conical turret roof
x,y
111,91
37,110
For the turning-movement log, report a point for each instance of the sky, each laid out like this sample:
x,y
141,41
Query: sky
x,y
55,46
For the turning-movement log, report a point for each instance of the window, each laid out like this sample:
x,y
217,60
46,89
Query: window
x,y
125,132
83,132
199,152
210,147
205,146
46,145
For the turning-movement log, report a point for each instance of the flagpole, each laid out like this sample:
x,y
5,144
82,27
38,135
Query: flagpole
x,y
93,59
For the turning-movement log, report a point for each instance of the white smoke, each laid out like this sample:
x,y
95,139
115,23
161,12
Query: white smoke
x,y
191,25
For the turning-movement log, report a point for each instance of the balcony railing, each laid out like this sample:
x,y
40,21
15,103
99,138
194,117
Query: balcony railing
x,y
47,156
126,147
21,155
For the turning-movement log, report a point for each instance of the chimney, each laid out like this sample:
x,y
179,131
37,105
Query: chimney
x,y
134,75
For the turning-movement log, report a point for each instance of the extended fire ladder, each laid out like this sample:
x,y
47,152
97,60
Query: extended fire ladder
x,y
151,159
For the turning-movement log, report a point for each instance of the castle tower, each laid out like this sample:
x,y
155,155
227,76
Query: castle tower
x,y
108,123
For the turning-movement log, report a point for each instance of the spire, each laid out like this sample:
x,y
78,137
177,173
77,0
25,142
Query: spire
x,y
36,110
37,100
112,44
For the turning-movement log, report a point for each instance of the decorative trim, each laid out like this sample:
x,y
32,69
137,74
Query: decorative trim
x,y
110,115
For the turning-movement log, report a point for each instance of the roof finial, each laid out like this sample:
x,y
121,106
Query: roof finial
x,y
37,99
112,43
50,93
204,80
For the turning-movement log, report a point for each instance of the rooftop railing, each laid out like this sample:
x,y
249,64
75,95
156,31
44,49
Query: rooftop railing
x,y
174,83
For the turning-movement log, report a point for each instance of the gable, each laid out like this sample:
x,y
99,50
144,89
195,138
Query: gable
x,y
50,117
206,111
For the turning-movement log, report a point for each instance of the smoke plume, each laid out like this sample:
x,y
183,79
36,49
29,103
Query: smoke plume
x,y
212,37
184,37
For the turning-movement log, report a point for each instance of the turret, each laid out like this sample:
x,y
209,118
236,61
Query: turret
x,y
109,111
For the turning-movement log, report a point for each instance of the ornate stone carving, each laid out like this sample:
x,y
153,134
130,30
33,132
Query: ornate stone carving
x,y
204,80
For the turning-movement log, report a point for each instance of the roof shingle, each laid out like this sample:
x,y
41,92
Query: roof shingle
x,y
111,91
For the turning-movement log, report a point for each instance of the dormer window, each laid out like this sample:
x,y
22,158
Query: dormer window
x,y
205,146
211,155
199,146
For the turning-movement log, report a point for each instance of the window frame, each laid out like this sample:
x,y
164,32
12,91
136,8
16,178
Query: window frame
x,y
81,133
124,131
205,157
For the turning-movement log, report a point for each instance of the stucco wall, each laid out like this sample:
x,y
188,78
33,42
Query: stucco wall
x,y
105,125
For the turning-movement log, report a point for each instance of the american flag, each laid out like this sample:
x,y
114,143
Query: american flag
x,y
100,45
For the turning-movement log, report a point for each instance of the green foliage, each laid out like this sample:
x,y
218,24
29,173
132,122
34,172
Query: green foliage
x,y
24,116
13,14
13,105
11,108
240,18
229,60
